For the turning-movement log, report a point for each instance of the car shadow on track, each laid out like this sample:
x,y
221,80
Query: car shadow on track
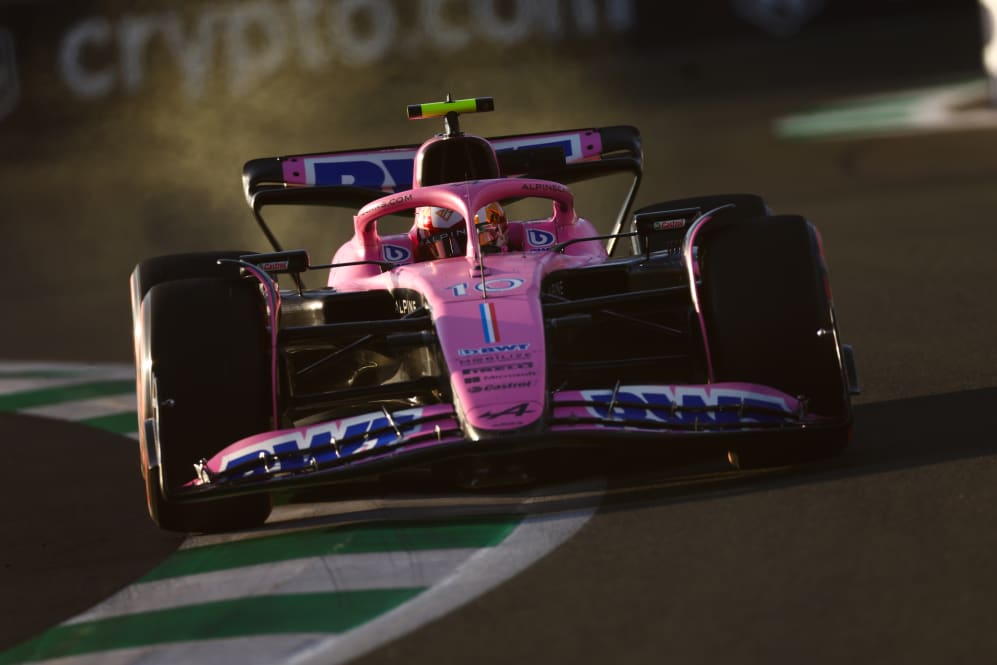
x,y
924,430
889,436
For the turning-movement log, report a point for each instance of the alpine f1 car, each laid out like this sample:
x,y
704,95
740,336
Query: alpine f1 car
x,y
472,345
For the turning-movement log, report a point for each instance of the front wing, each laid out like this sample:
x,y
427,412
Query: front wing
x,y
382,441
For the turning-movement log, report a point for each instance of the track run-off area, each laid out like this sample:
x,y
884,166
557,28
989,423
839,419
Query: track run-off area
x,y
319,584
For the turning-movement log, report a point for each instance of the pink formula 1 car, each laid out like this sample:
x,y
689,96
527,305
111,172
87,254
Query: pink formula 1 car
x,y
477,347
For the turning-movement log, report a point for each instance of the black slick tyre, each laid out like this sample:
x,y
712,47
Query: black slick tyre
x,y
769,319
207,385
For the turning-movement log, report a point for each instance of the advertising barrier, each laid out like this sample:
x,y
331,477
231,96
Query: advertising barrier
x,y
54,53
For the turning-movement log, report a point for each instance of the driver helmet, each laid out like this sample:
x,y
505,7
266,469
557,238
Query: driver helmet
x,y
442,232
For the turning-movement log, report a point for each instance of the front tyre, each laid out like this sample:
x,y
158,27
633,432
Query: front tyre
x,y
767,304
206,370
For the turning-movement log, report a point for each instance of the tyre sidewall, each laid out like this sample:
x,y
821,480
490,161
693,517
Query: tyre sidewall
x,y
205,348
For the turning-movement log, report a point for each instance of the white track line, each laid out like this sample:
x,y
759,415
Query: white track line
x,y
479,572
454,577
84,409
533,539
339,572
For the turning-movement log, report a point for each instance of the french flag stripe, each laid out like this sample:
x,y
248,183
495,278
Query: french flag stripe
x,y
489,324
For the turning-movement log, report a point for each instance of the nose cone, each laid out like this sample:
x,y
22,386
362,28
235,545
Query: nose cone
x,y
495,350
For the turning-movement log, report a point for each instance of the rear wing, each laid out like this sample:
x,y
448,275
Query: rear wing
x,y
352,178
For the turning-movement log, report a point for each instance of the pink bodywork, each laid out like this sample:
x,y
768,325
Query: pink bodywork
x,y
487,315
489,322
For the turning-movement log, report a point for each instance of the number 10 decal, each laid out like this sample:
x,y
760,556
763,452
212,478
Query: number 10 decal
x,y
498,284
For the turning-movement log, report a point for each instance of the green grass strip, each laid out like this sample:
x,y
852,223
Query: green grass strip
x,y
888,101
835,122
75,393
118,423
333,612
357,539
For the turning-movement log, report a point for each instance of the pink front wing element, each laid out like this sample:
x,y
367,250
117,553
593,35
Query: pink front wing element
x,y
355,434
507,393
273,305
692,268
740,404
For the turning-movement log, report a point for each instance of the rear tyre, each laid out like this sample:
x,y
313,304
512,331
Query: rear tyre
x,y
769,321
207,385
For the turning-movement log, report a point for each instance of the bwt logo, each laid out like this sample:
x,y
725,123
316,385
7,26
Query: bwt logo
x,y
571,146
10,87
686,405
350,430
499,348
363,170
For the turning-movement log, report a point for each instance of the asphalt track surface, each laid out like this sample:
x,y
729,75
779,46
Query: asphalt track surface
x,y
885,555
